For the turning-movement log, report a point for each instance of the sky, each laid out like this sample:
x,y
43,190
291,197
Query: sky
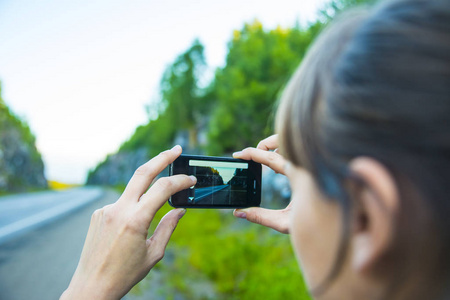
x,y
81,73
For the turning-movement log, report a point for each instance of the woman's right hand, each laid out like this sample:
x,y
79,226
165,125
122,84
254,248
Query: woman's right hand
x,y
275,219
118,251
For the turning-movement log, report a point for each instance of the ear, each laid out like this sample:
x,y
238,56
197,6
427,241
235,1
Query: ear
x,y
377,203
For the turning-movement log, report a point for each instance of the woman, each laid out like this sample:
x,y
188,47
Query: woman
x,y
364,138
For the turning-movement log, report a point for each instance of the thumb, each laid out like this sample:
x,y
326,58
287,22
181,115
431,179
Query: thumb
x,y
275,219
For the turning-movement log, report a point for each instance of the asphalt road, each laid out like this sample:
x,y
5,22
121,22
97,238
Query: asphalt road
x,y
40,263
22,212
213,195
208,192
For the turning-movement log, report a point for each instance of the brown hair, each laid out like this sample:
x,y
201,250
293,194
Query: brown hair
x,y
299,108
378,85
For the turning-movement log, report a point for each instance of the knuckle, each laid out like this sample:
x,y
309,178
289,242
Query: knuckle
x,y
142,170
165,183
151,241
254,217
108,215
131,225
172,224
272,156
96,214
247,150
165,157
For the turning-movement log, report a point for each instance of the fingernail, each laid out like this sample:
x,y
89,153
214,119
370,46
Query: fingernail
x,y
176,147
181,213
240,214
237,154
193,179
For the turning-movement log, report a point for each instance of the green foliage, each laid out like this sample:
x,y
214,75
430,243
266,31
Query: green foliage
x,y
236,109
155,136
181,95
183,104
241,260
9,120
239,102
258,65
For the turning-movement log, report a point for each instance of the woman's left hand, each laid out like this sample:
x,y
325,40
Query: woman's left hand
x,y
117,253
277,219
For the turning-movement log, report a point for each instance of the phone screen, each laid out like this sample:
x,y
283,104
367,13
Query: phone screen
x,y
221,182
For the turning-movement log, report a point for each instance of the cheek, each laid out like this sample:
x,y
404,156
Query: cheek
x,y
314,231
303,228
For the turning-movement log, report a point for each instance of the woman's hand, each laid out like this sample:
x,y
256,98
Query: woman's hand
x,y
117,253
275,219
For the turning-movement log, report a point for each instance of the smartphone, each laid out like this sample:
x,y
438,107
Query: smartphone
x,y
221,182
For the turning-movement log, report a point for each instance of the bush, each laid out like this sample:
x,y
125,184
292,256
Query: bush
x,y
239,260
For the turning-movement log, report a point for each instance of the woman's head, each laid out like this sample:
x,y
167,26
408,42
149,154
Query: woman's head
x,y
366,124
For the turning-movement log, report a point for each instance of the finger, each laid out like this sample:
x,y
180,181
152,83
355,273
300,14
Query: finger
x,y
160,238
269,143
275,219
160,191
271,159
144,175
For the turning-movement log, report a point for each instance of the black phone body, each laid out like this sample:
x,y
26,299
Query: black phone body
x,y
221,182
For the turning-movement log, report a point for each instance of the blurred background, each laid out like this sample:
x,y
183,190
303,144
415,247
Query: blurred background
x,y
90,90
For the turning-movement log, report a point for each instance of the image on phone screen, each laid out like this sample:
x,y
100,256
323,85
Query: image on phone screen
x,y
221,182
218,182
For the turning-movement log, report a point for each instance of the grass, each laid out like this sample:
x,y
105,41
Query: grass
x,y
213,255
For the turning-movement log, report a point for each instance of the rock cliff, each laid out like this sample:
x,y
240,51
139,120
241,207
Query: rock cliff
x,y
21,166
118,168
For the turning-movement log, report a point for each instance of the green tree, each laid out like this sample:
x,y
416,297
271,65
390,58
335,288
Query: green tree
x,y
237,107
155,136
183,100
9,119
258,64
183,104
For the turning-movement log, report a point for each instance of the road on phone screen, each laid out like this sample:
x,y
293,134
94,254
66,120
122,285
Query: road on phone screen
x,y
38,261
202,195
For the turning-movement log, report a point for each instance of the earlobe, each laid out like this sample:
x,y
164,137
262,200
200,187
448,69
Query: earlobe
x,y
376,205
